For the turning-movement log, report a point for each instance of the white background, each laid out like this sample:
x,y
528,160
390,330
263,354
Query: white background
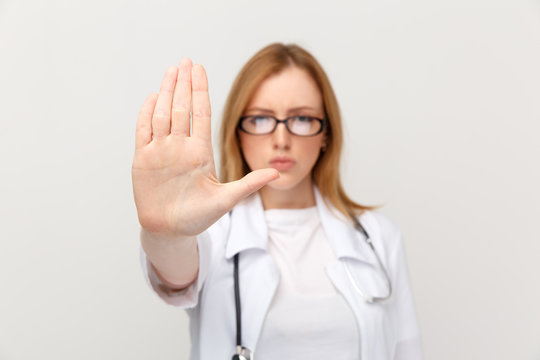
x,y
441,103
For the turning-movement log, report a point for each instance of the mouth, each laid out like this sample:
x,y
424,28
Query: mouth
x,y
282,163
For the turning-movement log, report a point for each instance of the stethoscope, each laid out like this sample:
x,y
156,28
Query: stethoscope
x,y
243,353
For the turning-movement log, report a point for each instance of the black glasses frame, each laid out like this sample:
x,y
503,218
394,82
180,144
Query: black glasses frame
x,y
284,121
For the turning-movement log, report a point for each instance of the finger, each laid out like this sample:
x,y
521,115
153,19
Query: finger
x,y
250,183
161,120
143,132
181,106
201,103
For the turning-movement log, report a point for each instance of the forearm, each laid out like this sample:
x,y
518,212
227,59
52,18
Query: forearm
x,y
174,260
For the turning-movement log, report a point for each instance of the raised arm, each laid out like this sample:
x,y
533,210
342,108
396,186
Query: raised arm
x,y
176,190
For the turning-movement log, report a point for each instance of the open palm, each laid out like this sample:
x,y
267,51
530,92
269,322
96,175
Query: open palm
x,y
175,185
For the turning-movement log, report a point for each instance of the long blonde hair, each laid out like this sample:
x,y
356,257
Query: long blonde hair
x,y
271,60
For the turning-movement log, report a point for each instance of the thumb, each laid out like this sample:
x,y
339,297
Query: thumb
x,y
250,183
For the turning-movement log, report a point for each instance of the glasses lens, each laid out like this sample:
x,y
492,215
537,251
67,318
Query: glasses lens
x,y
258,124
304,125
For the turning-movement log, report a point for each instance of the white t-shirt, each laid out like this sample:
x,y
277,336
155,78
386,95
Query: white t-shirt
x,y
307,316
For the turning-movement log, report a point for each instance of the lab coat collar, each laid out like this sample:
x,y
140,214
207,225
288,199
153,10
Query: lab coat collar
x,y
345,240
248,226
249,231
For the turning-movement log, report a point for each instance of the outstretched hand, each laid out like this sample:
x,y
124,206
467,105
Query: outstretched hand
x,y
175,185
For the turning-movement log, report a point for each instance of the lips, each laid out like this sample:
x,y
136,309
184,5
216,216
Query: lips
x,y
282,163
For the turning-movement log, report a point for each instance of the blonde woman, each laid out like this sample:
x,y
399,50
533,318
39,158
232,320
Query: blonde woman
x,y
273,258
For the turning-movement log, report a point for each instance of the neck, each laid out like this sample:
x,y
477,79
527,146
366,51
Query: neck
x,y
301,196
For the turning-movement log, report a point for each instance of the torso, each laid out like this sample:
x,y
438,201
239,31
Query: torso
x,y
307,318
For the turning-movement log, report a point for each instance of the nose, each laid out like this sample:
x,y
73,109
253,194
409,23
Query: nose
x,y
281,137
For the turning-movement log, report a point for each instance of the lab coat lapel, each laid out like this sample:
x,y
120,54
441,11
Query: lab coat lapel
x,y
258,272
351,249
259,276
344,239
373,323
248,227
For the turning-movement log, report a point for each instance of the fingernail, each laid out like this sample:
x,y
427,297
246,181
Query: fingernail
x,y
200,68
185,61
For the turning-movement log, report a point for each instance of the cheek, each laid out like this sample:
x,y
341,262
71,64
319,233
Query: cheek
x,y
314,154
310,153
249,149
313,149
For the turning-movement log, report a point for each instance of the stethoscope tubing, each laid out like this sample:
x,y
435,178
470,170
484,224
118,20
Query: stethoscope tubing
x,y
243,353
237,302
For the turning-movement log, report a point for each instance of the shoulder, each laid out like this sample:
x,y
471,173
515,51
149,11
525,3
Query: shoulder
x,y
380,226
379,220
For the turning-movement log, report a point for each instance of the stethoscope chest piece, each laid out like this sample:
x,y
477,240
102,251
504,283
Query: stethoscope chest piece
x,y
242,353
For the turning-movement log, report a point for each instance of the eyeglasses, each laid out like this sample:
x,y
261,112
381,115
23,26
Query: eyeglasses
x,y
297,125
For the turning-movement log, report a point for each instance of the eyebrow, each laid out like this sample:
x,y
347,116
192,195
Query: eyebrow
x,y
289,110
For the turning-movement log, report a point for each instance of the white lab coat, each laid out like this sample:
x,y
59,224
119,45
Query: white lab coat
x,y
388,331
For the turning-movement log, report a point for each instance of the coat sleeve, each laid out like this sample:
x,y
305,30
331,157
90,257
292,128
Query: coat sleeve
x,y
188,298
408,346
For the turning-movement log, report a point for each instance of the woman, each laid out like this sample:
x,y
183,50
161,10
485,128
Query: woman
x,y
306,276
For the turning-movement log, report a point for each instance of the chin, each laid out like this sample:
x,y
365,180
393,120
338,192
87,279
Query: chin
x,y
280,185
284,183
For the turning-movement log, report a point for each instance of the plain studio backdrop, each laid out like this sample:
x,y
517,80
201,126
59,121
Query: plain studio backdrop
x,y
441,106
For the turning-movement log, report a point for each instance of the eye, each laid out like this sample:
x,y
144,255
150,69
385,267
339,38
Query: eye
x,y
303,119
258,119
258,124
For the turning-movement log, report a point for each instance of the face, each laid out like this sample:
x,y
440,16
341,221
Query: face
x,y
290,92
